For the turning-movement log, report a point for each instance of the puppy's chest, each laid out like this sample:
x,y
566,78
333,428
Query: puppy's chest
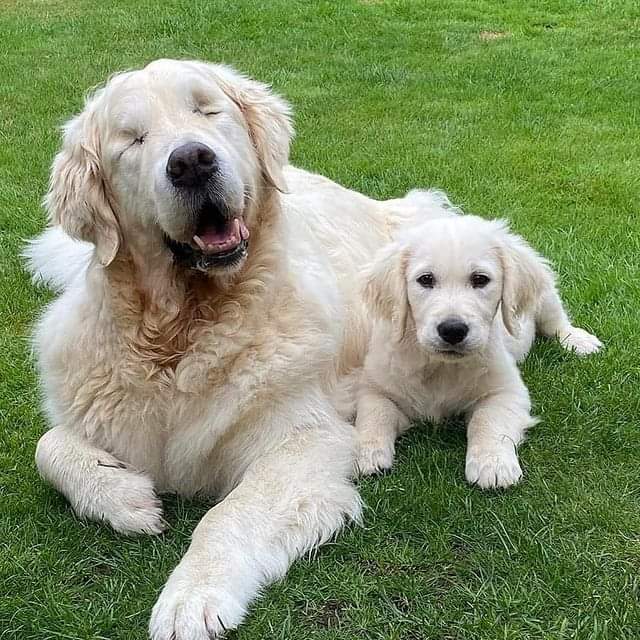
x,y
445,392
427,391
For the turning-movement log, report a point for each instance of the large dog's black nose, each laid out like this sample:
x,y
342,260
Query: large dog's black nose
x,y
453,330
191,165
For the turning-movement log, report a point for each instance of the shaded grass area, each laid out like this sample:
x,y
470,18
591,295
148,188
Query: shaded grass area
x,y
537,122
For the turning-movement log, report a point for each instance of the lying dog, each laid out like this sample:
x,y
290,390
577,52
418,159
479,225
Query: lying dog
x,y
195,345
459,301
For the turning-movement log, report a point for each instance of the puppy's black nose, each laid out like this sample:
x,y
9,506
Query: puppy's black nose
x,y
191,165
453,330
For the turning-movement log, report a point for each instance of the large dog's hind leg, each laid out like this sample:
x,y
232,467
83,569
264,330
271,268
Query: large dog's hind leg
x,y
289,501
98,486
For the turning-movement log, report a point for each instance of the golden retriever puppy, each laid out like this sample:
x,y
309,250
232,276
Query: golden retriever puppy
x,y
194,348
458,302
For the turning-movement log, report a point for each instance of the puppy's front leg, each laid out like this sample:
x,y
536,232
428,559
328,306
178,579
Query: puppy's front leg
x,y
98,486
379,421
496,427
289,501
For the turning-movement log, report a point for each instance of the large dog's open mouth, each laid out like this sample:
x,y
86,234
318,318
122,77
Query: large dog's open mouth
x,y
220,240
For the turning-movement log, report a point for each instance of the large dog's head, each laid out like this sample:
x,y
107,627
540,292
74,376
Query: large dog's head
x,y
173,157
446,280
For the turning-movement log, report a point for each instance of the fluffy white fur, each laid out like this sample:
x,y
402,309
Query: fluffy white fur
x,y
158,378
475,272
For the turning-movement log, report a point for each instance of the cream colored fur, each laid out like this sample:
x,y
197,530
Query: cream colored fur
x,y
158,379
409,373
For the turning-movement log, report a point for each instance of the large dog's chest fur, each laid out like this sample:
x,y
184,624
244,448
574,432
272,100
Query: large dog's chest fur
x,y
163,400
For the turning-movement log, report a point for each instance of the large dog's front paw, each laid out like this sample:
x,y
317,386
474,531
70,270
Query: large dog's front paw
x,y
374,456
140,510
580,341
127,500
493,468
192,606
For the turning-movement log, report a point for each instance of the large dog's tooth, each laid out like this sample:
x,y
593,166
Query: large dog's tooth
x,y
244,232
198,240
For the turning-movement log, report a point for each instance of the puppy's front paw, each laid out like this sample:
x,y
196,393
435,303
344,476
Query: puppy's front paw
x,y
492,469
192,607
374,456
580,341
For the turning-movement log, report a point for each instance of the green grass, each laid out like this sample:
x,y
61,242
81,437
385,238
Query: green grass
x,y
540,125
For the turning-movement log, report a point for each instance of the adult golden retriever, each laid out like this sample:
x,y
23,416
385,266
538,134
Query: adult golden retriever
x,y
195,345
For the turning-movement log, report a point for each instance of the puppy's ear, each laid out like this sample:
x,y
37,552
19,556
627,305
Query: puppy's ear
x,y
268,118
525,275
385,288
76,199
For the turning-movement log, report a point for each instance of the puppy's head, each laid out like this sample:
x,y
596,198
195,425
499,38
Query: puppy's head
x,y
446,281
176,157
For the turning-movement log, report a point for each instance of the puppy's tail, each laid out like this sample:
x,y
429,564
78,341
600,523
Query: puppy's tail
x,y
55,260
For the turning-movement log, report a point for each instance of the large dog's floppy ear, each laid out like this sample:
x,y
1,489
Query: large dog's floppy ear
x,y
268,118
525,275
76,199
385,288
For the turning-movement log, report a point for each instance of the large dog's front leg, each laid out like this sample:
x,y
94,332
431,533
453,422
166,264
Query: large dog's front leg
x,y
288,502
98,486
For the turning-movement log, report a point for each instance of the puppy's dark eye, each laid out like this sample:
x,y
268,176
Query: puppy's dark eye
x,y
140,139
426,280
479,280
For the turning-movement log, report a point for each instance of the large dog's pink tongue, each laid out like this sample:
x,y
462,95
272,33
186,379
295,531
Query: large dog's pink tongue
x,y
212,239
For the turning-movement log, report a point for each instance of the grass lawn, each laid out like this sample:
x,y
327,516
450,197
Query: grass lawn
x,y
523,110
